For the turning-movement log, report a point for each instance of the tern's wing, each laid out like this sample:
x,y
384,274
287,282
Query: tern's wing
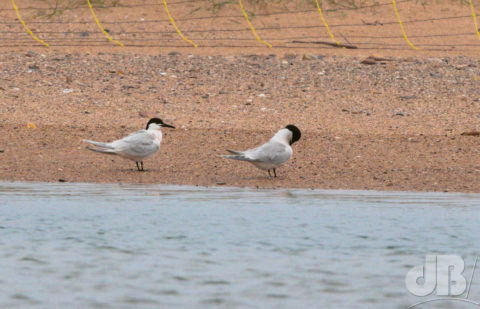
x,y
139,143
271,152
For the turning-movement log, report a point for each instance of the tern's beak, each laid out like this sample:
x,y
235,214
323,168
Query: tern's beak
x,y
167,125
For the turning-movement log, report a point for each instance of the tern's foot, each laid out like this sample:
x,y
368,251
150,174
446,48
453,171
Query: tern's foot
x,y
274,173
140,166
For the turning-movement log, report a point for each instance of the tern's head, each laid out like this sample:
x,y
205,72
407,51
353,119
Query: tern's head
x,y
157,123
296,134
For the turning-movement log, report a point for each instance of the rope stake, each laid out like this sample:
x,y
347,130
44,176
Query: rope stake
x,y
172,21
25,25
100,26
401,26
251,26
474,19
325,23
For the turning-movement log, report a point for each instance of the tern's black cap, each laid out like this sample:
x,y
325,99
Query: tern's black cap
x,y
296,134
159,122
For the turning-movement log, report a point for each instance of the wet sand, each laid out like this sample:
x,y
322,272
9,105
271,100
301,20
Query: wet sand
x,y
430,163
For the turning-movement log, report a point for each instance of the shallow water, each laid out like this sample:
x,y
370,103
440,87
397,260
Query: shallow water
x,y
143,246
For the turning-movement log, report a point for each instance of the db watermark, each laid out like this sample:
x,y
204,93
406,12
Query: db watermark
x,y
441,277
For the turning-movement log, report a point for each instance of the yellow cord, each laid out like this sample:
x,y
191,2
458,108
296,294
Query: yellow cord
x,y
25,25
474,19
100,26
251,26
325,23
401,26
175,25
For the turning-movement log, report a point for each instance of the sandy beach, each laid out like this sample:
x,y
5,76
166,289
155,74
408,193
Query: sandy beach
x,y
408,120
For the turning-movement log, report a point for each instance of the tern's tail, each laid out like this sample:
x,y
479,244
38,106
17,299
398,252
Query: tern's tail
x,y
236,155
100,147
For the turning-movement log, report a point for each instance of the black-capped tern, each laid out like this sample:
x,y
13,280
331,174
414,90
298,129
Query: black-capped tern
x,y
137,146
272,154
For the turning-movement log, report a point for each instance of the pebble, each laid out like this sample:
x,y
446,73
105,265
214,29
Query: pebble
x,y
309,57
407,97
435,60
144,114
30,54
67,90
369,61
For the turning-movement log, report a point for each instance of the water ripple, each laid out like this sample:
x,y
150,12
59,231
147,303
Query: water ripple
x,y
130,246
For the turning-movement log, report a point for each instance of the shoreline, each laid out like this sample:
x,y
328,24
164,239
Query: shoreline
x,y
403,125
174,187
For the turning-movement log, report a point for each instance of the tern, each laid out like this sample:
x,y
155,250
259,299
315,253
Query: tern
x,y
273,153
137,146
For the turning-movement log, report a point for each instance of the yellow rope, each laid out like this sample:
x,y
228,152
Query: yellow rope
x,y
172,21
401,26
474,19
325,23
251,26
25,25
100,26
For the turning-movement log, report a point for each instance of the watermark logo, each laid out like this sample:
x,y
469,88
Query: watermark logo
x,y
441,276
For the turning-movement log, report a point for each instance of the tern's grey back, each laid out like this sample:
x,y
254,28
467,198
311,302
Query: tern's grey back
x,y
272,152
136,145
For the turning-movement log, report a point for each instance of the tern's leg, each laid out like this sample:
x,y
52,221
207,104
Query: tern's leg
x,y
275,172
138,167
269,173
141,162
